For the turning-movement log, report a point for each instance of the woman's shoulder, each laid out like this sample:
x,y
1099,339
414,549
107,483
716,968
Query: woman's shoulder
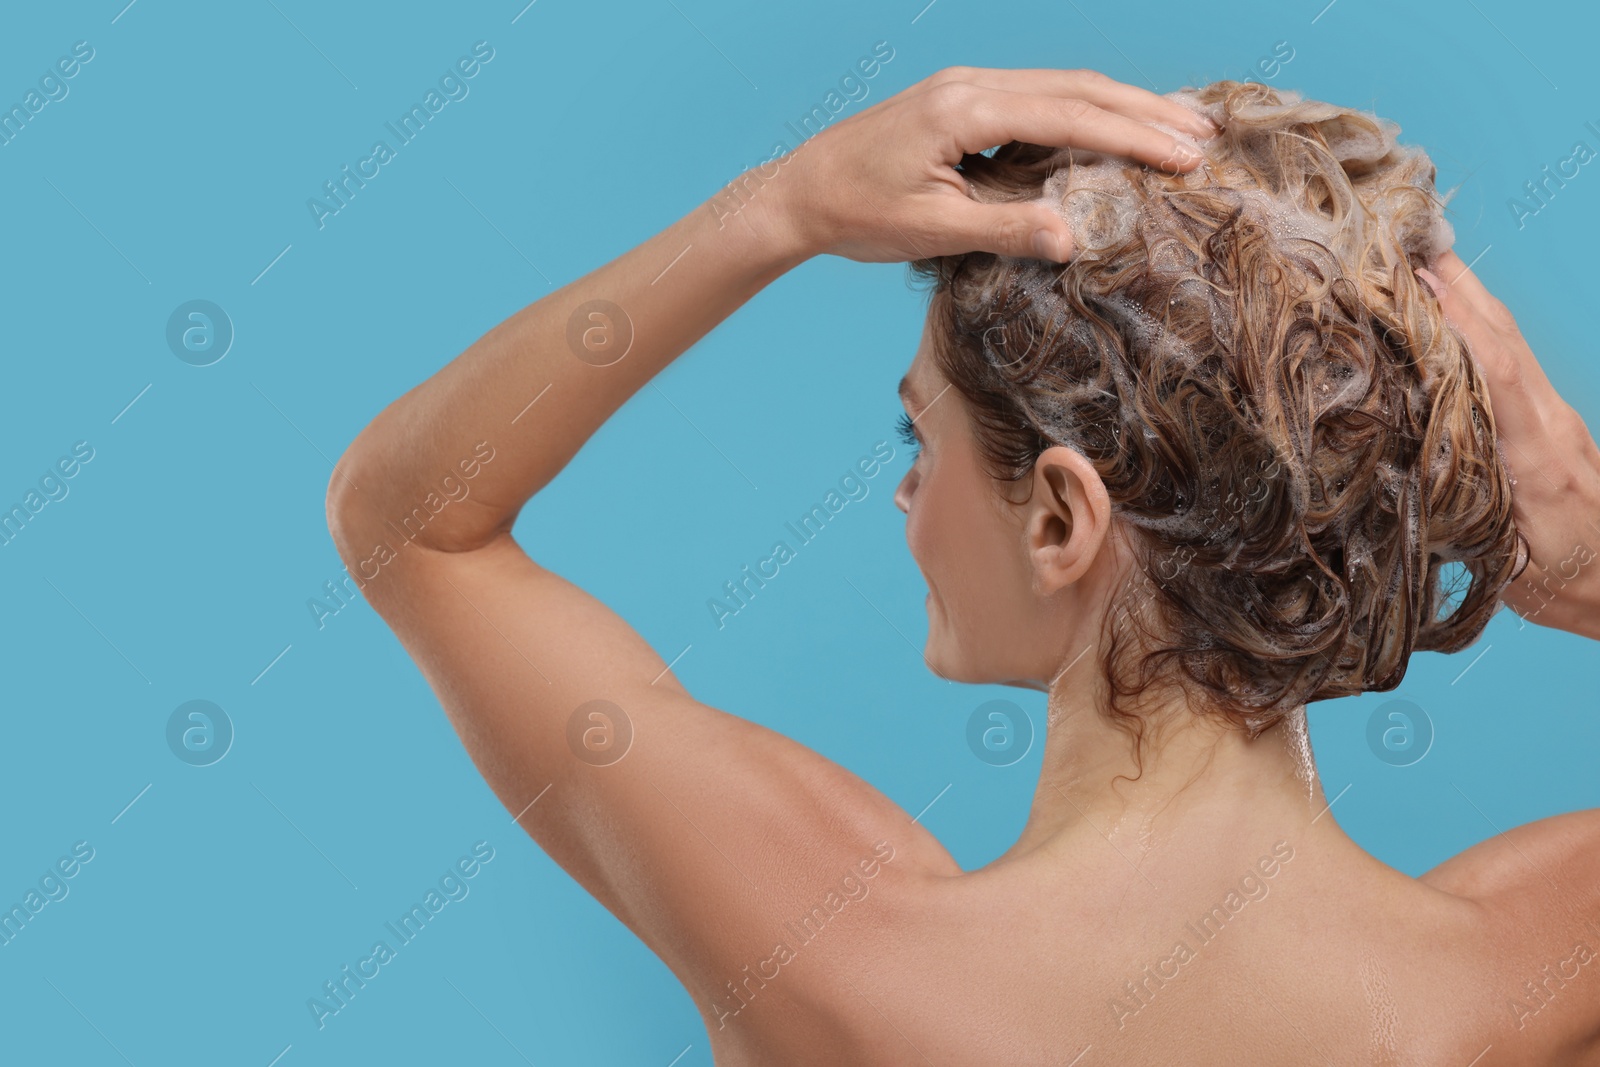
x,y
1540,863
1538,888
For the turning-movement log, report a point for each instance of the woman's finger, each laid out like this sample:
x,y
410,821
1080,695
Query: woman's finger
x,y
1025,230
1102,91
1518,387
1494,317
1461,301
981,118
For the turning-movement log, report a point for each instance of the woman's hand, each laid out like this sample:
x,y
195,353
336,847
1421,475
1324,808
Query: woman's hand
x,y
1550,452
881,186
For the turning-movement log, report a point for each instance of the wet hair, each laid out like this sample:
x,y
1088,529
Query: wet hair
x,y
1298,446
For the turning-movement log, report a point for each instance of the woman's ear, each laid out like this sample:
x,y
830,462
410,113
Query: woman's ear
x,y
1068,517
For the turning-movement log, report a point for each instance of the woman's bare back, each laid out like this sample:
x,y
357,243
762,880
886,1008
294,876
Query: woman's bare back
x,y
1294,950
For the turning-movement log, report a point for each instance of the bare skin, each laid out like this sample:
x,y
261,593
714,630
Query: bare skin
x,y
714,839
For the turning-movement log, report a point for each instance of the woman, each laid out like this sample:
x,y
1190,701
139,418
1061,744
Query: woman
x,y
1203,421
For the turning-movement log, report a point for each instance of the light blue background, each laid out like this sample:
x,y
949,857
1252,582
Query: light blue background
x,y
181,562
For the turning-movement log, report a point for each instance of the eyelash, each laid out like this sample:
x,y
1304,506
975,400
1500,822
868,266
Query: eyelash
x,y
907,432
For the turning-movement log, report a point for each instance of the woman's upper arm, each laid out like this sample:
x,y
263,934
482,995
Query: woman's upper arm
x,y
707,833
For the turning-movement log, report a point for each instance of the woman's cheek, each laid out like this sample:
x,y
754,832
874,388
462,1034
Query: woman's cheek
x,y
928,529
915,537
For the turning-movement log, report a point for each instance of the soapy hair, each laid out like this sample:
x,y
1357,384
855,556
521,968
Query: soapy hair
x,y
1296,443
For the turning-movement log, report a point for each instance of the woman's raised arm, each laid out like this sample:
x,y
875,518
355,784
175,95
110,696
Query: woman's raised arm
x,y
702,831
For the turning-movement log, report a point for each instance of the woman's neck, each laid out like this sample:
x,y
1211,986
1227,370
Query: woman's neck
x,y
1197,773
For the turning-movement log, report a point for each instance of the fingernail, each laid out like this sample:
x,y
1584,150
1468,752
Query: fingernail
x,y
1431,280
1184,153
1046,245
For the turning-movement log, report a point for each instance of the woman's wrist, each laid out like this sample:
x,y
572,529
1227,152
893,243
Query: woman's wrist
x,y
759,213
1563,594
1569,614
